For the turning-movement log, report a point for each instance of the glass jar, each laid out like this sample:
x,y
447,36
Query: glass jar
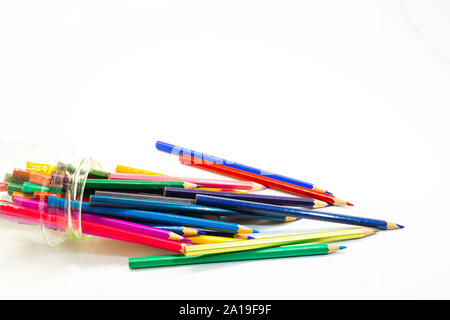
x,y
28,175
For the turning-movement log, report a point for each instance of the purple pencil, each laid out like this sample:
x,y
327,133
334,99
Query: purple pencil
x,y
137,227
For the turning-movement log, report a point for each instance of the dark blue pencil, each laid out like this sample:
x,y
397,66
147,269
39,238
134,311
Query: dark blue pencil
x,y
170,148
180,208
262,208
189,194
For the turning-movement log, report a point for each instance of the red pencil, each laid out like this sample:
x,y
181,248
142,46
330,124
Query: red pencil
x,y
94,228
272,183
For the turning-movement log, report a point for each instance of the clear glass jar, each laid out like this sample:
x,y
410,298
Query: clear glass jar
x,y
28,174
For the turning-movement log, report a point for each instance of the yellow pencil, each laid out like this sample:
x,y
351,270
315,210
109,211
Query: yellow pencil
x,y
240,245
42,168
124,169
205,239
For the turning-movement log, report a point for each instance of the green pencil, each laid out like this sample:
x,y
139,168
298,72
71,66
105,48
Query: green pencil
x,y
266,253
107,184
97,174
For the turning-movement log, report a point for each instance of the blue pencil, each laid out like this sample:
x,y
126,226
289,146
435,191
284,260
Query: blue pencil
x,y
158,205
153,217
262,208
180,208
170,148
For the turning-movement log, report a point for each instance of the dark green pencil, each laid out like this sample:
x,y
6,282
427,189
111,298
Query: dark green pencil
x,y
107,184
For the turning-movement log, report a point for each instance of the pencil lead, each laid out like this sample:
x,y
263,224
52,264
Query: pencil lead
x,y
342,247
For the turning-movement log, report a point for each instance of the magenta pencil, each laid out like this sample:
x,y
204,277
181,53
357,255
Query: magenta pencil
x,y
126,225
136,227
30,203
206,183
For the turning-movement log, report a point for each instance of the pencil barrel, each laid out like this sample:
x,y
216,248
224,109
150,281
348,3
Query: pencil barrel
x,y
268,253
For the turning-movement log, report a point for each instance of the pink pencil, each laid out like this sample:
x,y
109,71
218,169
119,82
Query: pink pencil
x,y
206,183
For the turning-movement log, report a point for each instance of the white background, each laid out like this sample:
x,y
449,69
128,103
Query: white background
x,y
351,95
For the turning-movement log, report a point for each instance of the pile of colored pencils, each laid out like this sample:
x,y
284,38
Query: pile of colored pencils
x,y
185,215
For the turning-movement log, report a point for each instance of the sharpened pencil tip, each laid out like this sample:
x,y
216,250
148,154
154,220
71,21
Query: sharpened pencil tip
x,y
244,229
201,232
342,247
350,204
186,239
393,226
319,204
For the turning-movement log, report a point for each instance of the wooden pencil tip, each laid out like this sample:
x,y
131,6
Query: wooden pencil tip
x,y
244,229
188,185
369,231
393,226
333,248
339,202
350,204
289,219
319,204
257,187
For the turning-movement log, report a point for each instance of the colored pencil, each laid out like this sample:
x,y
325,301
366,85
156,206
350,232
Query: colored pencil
x,y
326,236
157,205
98,174
265,253
10,178
92,228
167,147
41,195
158,217
207,183
264,208
32,187
14,187
40,179
124,169
22,195
41,168
275,184
146,196
182,208
181,230
205,239
106,184
21,175
224,190
277,200
31,203
3,186
224,234
127,225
